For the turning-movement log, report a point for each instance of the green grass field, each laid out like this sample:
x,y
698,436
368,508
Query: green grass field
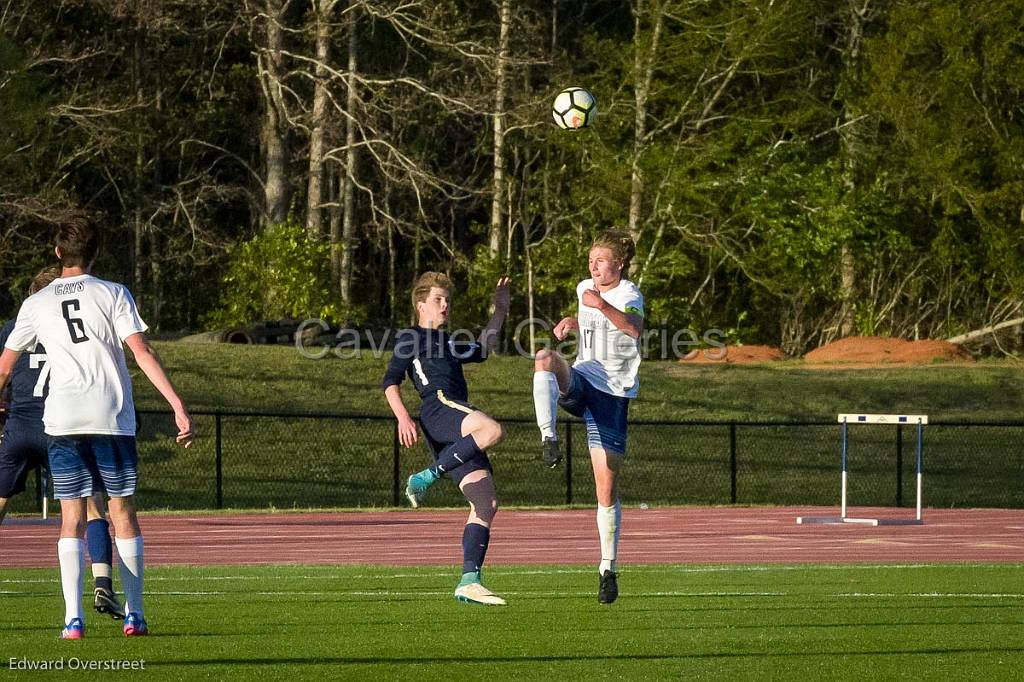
x,y
672,622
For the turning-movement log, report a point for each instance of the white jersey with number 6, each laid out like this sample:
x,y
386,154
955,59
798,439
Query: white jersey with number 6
x,y
608,357
82,321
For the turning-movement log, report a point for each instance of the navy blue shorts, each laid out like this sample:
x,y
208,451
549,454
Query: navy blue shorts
x,y
441,418
604,413
22,448
83,465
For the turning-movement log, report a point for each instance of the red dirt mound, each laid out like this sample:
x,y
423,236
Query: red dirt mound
x,y
740,355
875,349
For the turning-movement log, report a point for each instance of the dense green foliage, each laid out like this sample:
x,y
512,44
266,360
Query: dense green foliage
x,y
671,622
279,273
793,170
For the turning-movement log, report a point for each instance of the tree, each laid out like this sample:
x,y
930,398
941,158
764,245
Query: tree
x,y
323,11
267,35
947,86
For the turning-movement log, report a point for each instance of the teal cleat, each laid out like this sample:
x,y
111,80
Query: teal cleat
x,y
417,485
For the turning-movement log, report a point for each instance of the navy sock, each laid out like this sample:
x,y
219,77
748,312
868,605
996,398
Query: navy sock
x,y
474,546
97,538
455,455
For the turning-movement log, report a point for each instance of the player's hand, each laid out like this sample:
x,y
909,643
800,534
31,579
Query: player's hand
x,y
565,326
185,432
501,294
592,298
407,433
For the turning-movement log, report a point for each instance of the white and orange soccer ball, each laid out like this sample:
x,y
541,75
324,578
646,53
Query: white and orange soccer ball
x,y
574,108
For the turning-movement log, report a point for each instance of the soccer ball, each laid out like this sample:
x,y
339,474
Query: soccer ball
x,y
574,108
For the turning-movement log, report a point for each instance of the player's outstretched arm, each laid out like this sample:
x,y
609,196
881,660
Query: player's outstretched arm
x,y
151,366
491,331
407,433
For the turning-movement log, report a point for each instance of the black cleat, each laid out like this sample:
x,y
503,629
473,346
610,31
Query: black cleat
x,y
551,454
105,601
608,589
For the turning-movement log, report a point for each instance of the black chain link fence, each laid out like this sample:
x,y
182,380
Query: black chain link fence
x,y
247,460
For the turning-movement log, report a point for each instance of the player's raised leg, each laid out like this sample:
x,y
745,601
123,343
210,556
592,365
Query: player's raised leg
x,y
479,432
551,378
609,517
478,487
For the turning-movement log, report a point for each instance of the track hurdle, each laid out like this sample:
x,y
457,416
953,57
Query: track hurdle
x,y
845,420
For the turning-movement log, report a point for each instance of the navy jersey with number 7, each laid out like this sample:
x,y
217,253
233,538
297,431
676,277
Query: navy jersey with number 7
x,y
28,382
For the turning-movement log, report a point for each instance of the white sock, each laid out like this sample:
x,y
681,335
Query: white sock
x,y
71,556
101,571
608,524
545,402
129,551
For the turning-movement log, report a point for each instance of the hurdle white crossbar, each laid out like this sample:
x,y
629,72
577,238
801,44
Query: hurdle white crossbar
x,y
882,419
918,420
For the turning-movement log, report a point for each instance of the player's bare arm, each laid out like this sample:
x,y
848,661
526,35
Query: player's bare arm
x,y
407,433
628,323
489,335
151,366
7,361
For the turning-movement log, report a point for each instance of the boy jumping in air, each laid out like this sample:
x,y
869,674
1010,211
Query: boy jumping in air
x,y
599,385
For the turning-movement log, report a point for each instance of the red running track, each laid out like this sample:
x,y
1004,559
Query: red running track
x,y
661,535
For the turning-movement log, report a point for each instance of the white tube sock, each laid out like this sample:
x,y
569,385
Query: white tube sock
x,y
608,523
71,556
545,402
130,566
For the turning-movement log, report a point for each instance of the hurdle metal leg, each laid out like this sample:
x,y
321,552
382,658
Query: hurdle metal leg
x,y
842,484
920,468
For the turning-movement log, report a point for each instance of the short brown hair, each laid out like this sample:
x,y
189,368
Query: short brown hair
x,y
43,279
77,241
426,282
619,242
